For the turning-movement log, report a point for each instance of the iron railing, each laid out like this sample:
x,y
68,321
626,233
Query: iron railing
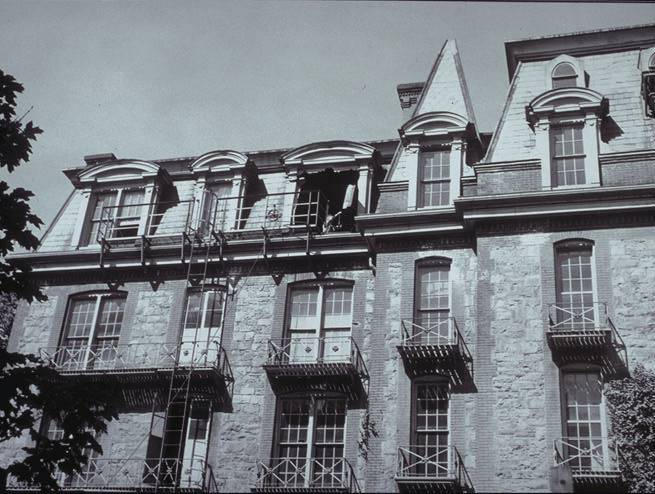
x,y
587,456
444,333
135,474
584,320
147,219
239,214
306,474
316,350
110,356
436,463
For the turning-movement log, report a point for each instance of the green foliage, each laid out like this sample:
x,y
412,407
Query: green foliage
x,y
29,388
16,217
632,409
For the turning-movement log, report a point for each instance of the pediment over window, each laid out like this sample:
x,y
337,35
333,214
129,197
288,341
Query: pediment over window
x,y
122,171
336,154
567,100
435,124
220,161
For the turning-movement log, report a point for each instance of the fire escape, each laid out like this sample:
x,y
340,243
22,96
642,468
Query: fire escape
x,y
587,335
440,350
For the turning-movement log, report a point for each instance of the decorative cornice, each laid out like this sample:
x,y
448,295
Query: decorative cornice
x,y
435,124
566,101
224,161
629,157
398,186
318,154
502,166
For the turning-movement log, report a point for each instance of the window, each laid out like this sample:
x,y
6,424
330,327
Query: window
x,y
215,209
564,75
575,298
568,159
435,177
92,330
319,322
203,326
651,62
585,444
115,214
54,431
432,303
430,429
309,442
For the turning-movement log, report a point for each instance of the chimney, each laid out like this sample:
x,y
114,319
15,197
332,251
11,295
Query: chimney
x,y
408,94
94,159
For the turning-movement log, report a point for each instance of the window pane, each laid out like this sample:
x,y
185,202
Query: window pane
x,y
435,177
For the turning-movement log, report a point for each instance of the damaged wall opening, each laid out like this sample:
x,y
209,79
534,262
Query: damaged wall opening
x,y
340,191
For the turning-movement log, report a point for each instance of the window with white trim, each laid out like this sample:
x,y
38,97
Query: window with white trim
x,y
202,326
568,159
432,302
309,447
574,277
585,444
434,169
564,75
92,329
319,322
430,428
114,214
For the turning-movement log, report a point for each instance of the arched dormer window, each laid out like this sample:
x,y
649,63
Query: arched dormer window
x,y
566,122
564,75
439,140
122,201
565,71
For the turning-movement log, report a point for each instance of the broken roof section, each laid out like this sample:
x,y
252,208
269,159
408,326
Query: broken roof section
x,y
445,89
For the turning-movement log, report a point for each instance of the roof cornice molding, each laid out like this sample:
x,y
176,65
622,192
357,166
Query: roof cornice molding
x,y
629,157
502,166
578,44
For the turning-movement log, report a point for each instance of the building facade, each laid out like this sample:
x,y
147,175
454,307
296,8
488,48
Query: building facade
x,y
438,311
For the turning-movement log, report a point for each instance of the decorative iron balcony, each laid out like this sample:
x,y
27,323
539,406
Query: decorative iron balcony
x,y
591,459
431,468
298,361
439,346
584,329
305,474
144,364
134,475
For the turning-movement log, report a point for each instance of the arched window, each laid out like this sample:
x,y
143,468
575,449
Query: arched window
x,y
564,75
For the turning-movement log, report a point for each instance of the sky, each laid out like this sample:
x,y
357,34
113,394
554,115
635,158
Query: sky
x,y
162,79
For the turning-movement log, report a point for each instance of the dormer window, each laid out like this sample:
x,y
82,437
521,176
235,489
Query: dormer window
x,y
564,75
565,72
566,122
115,214
438,142
568,160
434,167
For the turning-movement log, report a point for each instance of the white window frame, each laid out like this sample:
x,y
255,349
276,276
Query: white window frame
x,y
574,62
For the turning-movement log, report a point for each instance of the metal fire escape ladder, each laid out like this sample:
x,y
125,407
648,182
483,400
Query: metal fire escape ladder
x,y
178,403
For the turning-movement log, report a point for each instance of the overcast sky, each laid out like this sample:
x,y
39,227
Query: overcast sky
x,y
157,79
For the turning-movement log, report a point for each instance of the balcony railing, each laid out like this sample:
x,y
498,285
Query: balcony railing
x,y
589,326
159,219
432,465
306,474
302,361
588,457
422,345
110,356
134,475
227,215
